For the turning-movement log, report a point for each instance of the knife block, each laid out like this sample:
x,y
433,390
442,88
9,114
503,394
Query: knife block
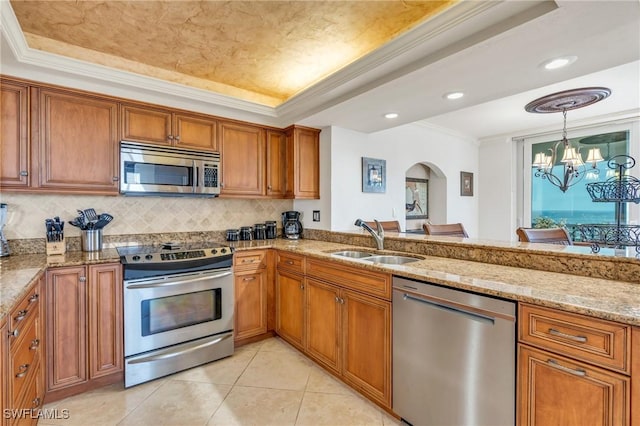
x,y
56,247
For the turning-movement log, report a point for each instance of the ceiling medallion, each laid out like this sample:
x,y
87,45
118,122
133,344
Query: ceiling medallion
x,y
573,167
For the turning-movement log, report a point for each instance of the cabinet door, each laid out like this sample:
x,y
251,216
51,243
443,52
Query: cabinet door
x,y
195,132
151,125
276,164
3,373
290,308
14,135
243,153
554,390
251,303
323,323
78,142
105,320
303,163
66,327
367,345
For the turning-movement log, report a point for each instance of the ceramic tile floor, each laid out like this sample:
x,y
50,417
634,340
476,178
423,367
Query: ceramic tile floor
x,y
264,383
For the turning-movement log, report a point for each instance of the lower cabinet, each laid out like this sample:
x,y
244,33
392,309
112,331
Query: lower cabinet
x,y
23,391
572,369
251,281
83,328
341,327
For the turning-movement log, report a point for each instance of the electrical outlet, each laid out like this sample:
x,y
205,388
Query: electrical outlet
x,y
316,215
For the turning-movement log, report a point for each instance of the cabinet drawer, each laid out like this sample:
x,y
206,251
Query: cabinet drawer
x,y
23,359
25,309
290,262
593,340
250,260
360,279
32,400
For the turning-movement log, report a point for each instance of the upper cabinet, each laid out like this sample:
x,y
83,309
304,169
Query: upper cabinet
x,y
77,139
276,164
14,134
166,127
243,159
303,162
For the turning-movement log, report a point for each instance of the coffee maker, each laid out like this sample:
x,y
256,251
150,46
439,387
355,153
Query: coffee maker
x,y
4,246
291,225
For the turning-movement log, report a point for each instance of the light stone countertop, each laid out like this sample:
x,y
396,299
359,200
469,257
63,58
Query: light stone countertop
x,y
600,298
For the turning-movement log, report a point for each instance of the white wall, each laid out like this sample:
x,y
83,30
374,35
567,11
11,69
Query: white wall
x,y
401,147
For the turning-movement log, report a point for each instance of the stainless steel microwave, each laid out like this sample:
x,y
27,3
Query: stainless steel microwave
x,y
159,170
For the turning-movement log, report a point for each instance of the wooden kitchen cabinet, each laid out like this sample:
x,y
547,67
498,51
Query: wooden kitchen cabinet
x,y
572,369
22,359
276,174
303,162
15,170
323,323
250,275
163,126
84,328
77,137
243,159
290,298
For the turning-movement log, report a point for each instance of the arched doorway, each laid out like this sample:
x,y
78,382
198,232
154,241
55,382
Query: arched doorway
x,y
425,180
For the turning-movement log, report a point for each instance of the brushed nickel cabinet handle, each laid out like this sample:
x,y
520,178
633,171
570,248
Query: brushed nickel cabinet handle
x,y
24,368
580,339
301,286
34,298
248,260
14,333
115,178
36,402
289,262
177,138
576,372
82,279
248,278
34,344
24,173
21,315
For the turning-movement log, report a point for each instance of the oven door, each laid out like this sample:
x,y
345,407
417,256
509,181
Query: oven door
x,y
161,312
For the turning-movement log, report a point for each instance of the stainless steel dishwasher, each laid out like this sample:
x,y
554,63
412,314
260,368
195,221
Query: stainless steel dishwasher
x,y
453,356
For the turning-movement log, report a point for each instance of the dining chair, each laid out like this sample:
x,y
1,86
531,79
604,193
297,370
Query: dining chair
x,y
450,229
388,225
545,235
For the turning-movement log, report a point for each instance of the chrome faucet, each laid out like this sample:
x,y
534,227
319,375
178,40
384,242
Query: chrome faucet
x,y
377,235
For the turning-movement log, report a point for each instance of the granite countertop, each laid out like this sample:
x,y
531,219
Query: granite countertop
x,y
600,298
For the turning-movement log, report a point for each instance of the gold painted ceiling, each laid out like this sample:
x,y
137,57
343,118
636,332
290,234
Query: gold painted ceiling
x,y
261,51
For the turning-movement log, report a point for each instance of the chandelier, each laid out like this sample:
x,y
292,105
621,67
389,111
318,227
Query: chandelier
x,y
574,168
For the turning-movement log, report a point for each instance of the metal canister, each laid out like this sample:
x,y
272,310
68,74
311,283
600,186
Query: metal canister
x,y
259,231
233,234
271,229
246,233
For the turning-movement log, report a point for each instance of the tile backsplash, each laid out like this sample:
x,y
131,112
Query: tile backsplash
x,y
137,215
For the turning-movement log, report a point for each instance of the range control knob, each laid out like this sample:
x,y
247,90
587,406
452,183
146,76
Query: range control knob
x,y
135,258
149,257
224,250
214,251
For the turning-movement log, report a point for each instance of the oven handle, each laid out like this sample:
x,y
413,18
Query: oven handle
x,y
178,282
172,354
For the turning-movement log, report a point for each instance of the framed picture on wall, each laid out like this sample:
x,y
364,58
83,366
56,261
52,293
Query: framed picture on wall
x,y
374,175
466,184
417,198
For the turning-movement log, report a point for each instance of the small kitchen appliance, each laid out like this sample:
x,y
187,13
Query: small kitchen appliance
x,y
271,229
291,225
4,245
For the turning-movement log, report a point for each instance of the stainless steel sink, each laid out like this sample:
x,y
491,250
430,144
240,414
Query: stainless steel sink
x,y
391,259
354,254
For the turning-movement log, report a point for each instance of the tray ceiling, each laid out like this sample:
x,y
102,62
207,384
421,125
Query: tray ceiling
x,y
259,51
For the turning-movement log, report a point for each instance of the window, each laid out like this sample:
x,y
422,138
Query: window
x,y
545,205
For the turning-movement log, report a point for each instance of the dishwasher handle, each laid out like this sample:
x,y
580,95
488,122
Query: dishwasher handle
x,y
454,309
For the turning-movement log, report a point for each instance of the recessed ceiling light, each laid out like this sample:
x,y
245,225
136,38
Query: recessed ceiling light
x,y
554,64
453,95
391,115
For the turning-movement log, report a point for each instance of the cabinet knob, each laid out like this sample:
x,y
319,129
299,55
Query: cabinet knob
x,y
177,138
269,187
36,402
82,279
249,279
301,286
115,178
34,298
24,173
170,137
24,368
14,333
21,315
34,344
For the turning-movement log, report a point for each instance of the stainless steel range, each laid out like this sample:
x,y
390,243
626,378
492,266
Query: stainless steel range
x,y
178,308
